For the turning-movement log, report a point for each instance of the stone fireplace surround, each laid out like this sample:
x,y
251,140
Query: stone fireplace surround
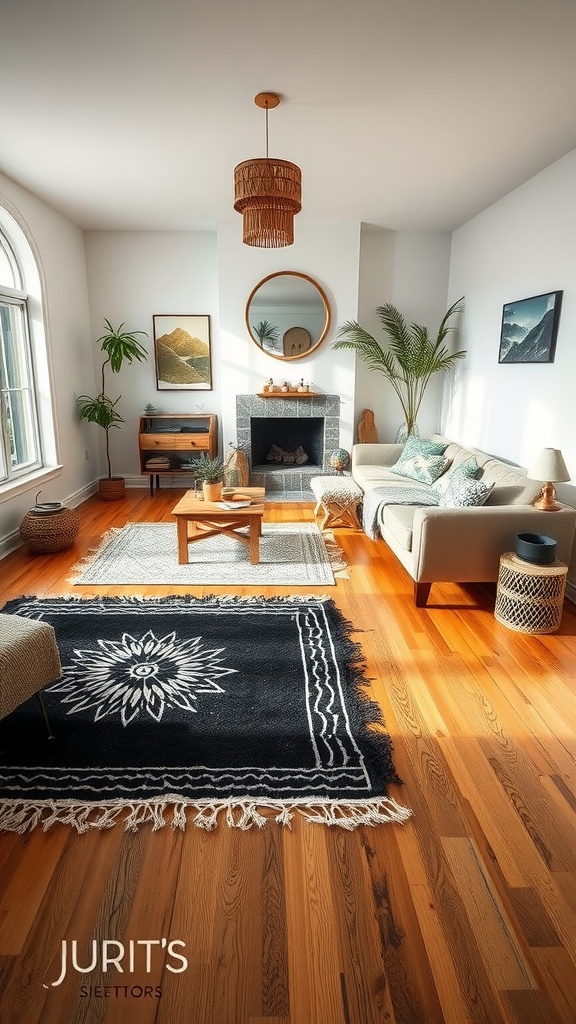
x,y
288,478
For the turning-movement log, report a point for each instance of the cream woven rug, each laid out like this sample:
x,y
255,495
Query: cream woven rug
x,y
291,554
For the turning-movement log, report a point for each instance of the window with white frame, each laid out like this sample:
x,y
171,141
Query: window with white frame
x,y
23,359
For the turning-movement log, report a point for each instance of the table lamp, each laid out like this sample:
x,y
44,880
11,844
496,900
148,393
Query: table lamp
x,y
550,468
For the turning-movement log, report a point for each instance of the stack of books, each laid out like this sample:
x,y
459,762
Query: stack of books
x,y
157,463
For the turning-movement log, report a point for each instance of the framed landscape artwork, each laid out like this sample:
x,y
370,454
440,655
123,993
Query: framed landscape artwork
x,y
529,329
182,352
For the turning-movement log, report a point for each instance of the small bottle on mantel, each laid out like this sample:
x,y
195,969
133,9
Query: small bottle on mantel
x,y
269,385
285,386
302,386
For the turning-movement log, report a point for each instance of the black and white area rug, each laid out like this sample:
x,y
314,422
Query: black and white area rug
x,y
291,554
181,710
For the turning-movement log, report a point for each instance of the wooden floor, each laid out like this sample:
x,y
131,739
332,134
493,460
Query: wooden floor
x,y
466,913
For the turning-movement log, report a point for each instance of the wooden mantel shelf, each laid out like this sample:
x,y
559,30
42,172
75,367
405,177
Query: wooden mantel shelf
x,y
288,394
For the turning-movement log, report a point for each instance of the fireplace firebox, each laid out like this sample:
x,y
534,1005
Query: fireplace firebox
x,y
312,424
288,433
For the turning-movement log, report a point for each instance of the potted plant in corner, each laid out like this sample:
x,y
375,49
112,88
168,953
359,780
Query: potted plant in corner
x,y
409,361
210,469
119,346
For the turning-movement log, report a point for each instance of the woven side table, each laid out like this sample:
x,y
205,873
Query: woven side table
x,y
48,533
529,597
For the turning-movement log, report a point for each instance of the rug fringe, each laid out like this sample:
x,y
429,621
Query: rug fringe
x,y
87,560
239,812
336,556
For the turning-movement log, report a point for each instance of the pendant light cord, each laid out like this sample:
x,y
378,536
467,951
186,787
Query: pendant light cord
x,y
266,129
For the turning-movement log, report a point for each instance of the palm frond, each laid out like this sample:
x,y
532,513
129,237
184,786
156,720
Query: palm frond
x,y
454,310
412,355
352,336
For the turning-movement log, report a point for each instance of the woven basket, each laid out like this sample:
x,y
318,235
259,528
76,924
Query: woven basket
x,y
529,598
111,488
47,534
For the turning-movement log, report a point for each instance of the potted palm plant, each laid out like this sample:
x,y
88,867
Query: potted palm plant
x,y
210,469
119,346
411,358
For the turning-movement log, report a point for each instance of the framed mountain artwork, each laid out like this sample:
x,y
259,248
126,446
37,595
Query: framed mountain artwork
x,y
182,352
529,329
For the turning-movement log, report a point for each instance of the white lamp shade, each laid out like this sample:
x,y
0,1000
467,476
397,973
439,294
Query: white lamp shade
x,y
549,467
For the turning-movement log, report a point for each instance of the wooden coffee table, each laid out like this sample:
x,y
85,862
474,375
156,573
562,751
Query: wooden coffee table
x,y
207,519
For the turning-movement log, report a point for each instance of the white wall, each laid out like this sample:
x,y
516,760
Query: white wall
x,y
409,269
521,246
329,253
59,249
131,277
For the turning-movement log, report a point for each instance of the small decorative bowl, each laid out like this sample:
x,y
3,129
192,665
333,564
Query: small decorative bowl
x,y
536,548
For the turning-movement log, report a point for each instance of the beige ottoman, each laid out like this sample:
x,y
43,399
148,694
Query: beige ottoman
x,y
29,660
338,498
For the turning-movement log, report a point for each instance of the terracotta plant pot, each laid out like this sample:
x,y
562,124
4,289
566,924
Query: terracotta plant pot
x,y
212,491
111,489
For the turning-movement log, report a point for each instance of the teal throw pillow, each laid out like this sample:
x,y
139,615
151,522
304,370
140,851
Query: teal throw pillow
x,y
464,470
464,493
421,446
424,468
421,460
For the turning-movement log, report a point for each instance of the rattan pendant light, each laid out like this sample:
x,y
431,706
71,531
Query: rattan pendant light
x,y
267,192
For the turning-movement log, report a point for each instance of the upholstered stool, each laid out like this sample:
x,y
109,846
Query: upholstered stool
x,y
29,660
337,497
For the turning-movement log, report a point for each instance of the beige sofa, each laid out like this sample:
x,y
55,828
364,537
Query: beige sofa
x,y
457,545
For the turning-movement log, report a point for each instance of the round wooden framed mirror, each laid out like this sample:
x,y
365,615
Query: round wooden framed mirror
x,y
287,315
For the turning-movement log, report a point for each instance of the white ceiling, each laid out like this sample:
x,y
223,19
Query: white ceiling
x,y
408,114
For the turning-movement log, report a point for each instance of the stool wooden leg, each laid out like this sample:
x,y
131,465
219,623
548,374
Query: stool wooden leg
x,y
326,518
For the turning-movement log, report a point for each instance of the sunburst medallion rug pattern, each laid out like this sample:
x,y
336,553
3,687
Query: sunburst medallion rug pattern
x,y
178,710
291,554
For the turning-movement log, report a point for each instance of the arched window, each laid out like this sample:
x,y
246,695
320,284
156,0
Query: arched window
x,y
27,440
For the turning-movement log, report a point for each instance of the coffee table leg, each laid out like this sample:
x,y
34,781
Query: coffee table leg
x,y
182,527
255,526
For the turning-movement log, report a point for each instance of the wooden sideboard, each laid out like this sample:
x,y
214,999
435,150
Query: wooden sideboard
x,y
176,439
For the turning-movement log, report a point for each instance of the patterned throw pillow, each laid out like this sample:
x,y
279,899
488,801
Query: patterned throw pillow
x,y
421,460
425,468
466,470
464,493
421,446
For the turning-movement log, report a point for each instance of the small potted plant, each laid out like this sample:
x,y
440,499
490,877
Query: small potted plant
x,y
210,469
119,345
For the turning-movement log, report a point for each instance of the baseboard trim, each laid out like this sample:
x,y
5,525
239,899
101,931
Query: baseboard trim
x,y
11,541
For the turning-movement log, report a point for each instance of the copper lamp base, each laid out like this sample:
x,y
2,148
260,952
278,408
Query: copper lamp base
x,y
546,500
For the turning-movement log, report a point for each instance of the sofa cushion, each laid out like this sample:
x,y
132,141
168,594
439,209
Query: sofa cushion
x,y
378,476
511,486
399,520
465,492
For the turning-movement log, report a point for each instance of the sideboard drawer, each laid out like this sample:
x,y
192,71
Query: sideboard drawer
x,y
175,442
